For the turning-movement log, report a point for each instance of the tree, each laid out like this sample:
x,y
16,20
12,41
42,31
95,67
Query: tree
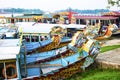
x,y
114,2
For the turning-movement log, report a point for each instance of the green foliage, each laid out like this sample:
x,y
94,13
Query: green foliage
x,y
108,48
80,50
97,74
114,2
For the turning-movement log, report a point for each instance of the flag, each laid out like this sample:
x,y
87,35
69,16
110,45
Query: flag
x,y
70,16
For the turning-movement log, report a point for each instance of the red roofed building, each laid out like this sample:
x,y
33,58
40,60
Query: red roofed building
x,y
114,14
91,19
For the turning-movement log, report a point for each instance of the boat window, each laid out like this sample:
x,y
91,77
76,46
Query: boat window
x,y
1,68
46,37
20,20
27,39
82,21
77,21
23,37
71,31
41,38
35,38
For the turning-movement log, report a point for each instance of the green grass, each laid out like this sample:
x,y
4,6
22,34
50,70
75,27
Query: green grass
x,y
97,74
108,48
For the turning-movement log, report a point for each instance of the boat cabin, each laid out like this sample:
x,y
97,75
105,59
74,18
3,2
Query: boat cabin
x,y
9,58
34,32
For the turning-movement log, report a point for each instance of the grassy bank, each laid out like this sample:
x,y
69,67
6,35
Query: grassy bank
x,y
108,48
97,74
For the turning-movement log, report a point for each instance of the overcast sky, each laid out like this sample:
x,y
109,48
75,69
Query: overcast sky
x,y
52,5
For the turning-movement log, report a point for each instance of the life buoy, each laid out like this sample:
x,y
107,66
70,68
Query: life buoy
x,y
10,76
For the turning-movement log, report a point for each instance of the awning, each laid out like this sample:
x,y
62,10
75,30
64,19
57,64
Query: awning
x,y
47,16
112,13
66,13
63,13
2,17
38,17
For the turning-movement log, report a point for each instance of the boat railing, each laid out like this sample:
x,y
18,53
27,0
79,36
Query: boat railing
x,y
73,48
34,45
45,42
46,56
64,62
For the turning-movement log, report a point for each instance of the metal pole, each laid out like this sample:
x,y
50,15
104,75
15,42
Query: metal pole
x,y
30,37
5,71
25,66
18,67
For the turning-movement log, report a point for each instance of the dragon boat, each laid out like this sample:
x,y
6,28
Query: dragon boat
x,y
57,40
57,36
106,34
78,54
100,34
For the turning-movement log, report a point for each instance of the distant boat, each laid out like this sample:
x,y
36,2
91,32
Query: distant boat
x,y
107,33
8,32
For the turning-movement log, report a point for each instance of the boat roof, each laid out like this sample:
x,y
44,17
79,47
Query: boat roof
x,y
32,27
9,48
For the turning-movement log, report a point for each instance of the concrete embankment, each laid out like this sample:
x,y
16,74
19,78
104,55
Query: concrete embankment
x,y
109,59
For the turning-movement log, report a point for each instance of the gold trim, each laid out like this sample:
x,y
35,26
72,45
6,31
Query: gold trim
x,y
12,60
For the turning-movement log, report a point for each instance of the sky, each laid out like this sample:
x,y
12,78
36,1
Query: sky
x,y
53,5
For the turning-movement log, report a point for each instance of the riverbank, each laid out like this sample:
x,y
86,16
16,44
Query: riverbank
x,y
109,59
